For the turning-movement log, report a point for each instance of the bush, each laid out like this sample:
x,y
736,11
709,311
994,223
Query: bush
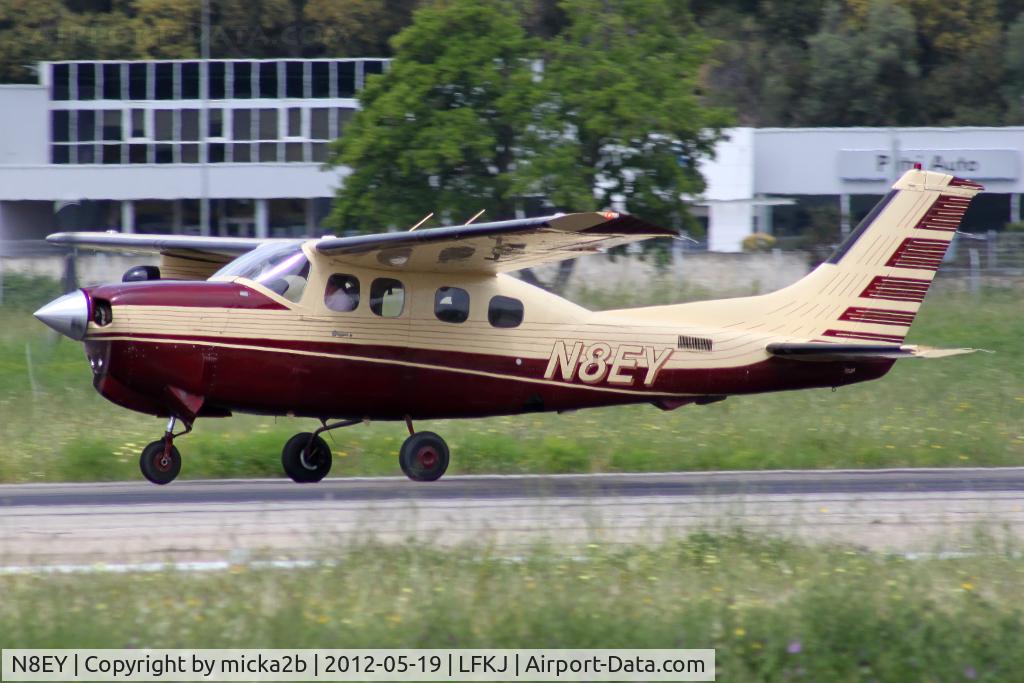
x,y
758,241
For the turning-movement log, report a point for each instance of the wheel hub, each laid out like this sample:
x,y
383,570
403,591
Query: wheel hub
x,y
427,458
162,462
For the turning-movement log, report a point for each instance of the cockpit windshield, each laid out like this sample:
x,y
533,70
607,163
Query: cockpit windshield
x,y
281,268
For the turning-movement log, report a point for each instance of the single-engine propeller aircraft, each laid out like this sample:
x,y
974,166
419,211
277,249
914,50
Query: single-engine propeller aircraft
x,y
426,324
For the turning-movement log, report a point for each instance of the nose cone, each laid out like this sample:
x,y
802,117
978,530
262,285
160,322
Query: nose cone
x,y
68,314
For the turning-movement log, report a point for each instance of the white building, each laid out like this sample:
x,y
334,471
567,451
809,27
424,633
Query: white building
x,y
758,173
139,145
120,145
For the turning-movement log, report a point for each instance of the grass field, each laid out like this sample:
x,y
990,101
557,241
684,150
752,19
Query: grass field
x,y
959,411
773,610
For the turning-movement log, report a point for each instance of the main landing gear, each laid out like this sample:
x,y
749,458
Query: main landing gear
x,y
160,461
306,457
424,455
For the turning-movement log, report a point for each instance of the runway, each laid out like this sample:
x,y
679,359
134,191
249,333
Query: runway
x,y
235,521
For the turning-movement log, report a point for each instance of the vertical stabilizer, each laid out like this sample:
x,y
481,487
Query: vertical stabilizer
x,y
872,287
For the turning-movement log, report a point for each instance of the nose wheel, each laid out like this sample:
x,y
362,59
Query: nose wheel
x,y
424,456
160,461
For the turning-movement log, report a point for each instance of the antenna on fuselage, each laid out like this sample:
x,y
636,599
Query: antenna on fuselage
x,y
422,221
475,216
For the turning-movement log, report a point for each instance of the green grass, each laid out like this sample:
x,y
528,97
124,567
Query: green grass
x,y
774,611
966,410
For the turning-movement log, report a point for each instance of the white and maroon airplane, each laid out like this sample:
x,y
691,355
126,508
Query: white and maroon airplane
x,y
426,324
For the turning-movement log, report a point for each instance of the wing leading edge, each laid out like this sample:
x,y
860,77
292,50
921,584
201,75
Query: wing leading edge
x,y
492,247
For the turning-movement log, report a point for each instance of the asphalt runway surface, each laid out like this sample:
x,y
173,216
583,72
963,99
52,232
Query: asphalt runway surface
x,y
233,521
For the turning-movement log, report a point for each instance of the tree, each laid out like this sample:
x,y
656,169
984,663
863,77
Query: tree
x,y
440,130
476,114
622,120
863,74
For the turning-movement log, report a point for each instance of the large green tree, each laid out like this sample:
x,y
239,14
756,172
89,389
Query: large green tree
x,y
441,130
475,114
622,120
863,74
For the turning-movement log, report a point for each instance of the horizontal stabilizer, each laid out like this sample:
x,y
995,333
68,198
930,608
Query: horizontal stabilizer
x,y
827,352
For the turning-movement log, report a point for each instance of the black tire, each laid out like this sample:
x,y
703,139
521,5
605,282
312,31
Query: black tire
x,y
306,468
424,457
158,466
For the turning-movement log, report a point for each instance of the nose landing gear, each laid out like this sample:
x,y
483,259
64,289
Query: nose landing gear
x,y
160,461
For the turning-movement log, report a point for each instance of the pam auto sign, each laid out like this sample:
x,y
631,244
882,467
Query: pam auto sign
x,y
977,164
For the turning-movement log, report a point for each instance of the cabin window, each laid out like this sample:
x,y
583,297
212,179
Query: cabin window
x,y
342,293
451,304
504,311
387,297
281,268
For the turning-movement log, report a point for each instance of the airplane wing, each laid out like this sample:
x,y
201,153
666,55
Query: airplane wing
x,y
827,352
492,247
182,257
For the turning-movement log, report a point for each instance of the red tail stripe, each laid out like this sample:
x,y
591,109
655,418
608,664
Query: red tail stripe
x,y
944,214
896,289
879,316
868,336
963,182
921,254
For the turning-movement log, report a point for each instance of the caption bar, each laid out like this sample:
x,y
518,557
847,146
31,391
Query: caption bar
x,y
357,665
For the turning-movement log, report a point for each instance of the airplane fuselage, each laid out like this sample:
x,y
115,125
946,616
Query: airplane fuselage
x,y
236,346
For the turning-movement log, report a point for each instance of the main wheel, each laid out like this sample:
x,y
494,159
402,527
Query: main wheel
x,y
302,466
158,464
424,456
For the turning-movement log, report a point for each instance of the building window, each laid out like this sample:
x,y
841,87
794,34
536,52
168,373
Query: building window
x,y
60,89
189,125
241,124
268,152
112,129
138,82
268,80
60,154
319,128
216,81
164,81
295,80
241,153
86,125
86,81
163,123
294,122
138,154
111,154
215,153
504,311
345,79
451,304
387,297
342,293
139,127
241,80
321,79
215,126
190,81
60,121
165,154
268,124
112,81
